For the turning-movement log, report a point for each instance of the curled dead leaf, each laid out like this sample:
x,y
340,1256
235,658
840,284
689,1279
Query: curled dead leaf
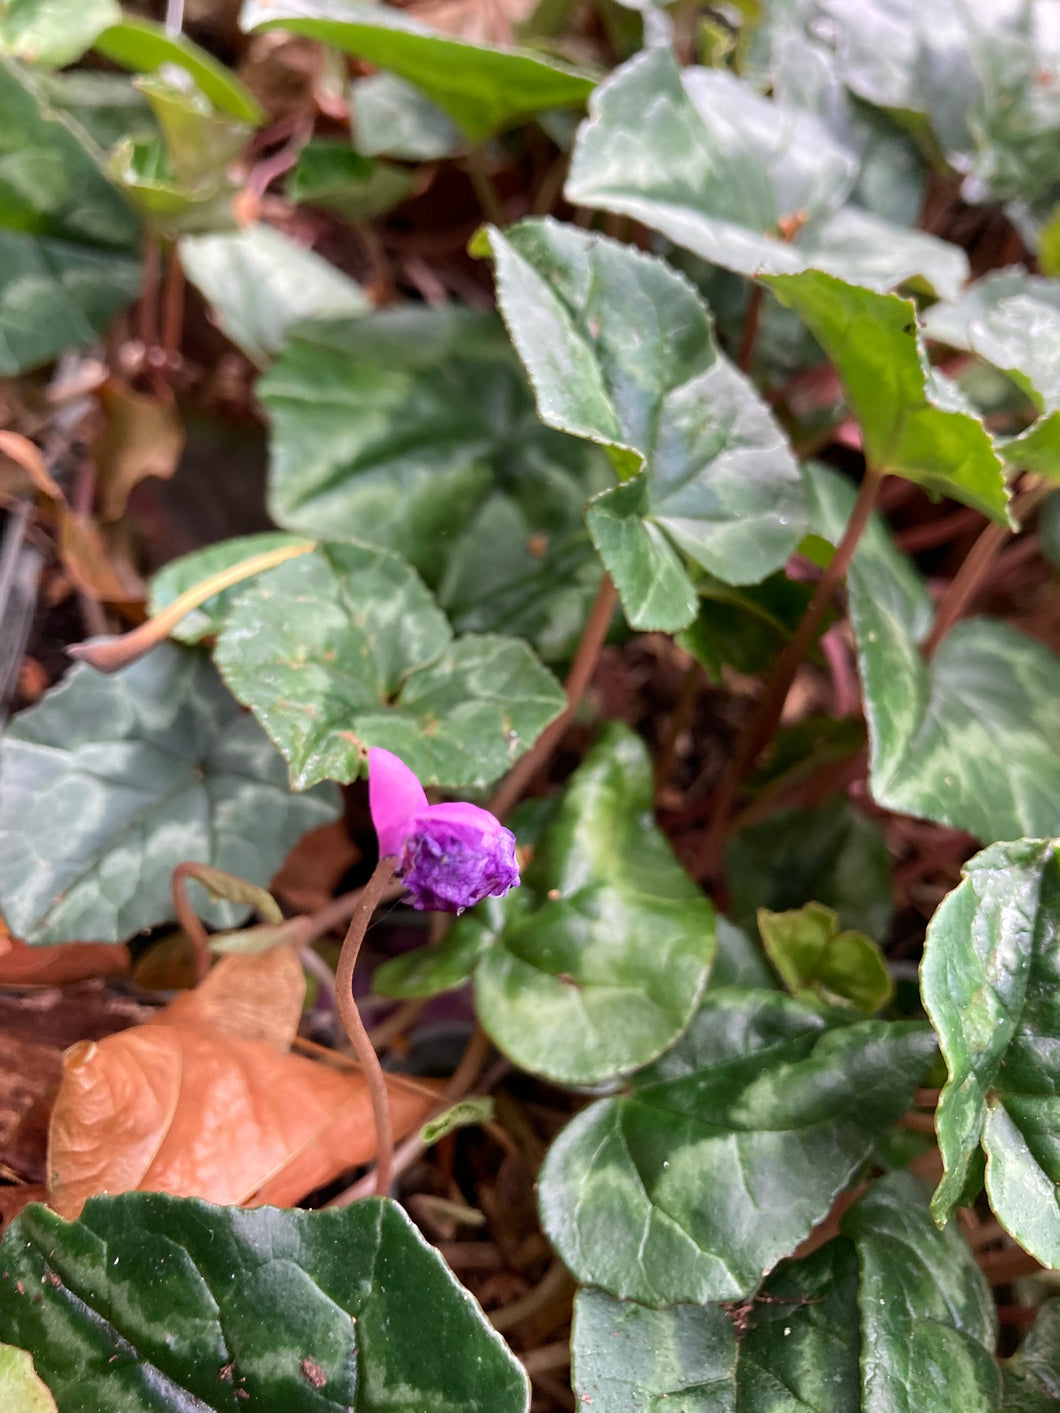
x,y
53,966
248,997
168,1108
142,436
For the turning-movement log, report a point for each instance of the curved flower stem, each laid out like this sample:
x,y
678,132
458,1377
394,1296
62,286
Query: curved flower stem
x,y
189,919
771,705
581,671
371,895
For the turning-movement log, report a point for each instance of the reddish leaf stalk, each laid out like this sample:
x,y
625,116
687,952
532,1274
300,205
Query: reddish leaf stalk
x,y
771,706
371,895
592,641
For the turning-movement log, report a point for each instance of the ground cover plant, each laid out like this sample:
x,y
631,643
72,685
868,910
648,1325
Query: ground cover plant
x,y
530,771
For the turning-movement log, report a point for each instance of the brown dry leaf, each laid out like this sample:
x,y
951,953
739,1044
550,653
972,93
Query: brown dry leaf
x,y
142,436
166,1108
96,568
24,453
478,21
314,868
247,997
167,965
21,965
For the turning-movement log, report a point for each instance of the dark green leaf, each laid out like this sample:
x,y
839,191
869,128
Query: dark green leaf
x,y
150,1303
831,854
799,1350
144,47
110,782
391,118
620,351
53,32
816,960
1032,1379
261,284
661,1195
744,627
907,428
990,986
605,972
700,156
344,648
482,89
739,961
182,574
416,429
64,231
332,175
928,1317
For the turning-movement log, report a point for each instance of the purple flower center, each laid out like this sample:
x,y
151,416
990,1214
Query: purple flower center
x,y
448,867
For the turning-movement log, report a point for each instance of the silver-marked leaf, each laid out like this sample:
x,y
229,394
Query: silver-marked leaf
x,y
928,1317
298,1312
110,782
989,981
345,648
908,429
482,89
620,351
260,284
416,429
799,1349
739,179
392,118
969,739
724,1154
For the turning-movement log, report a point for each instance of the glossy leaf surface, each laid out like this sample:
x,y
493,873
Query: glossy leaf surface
x,y
990,986
659,1195
344,648
798,1351
815,959
331,1310
482,89
110,782
740,180
928,1317
144,47
620,351
184,573
262,284
908,429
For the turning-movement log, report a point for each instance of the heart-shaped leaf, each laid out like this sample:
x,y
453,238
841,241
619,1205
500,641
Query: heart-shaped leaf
x,y
55,33
110,782
989,984
739,179
344,648
908,427
416,430
620,351
261,284
482,89
928,1318
150,1302
659,1195
595,966
392,118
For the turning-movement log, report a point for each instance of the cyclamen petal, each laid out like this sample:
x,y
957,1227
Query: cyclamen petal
x,y
450,856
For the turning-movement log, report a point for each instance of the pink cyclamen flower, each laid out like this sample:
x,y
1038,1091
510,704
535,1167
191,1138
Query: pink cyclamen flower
x,y
449,856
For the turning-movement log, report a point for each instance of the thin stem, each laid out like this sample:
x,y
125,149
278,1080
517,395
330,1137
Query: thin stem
x,y
112,654
771,706
189,919
149,293
593,637
174,17
751,320
679,721
371,895
488,196
173,308
966,583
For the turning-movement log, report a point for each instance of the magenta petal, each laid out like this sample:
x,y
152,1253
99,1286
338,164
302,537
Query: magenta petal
x,y
395,798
